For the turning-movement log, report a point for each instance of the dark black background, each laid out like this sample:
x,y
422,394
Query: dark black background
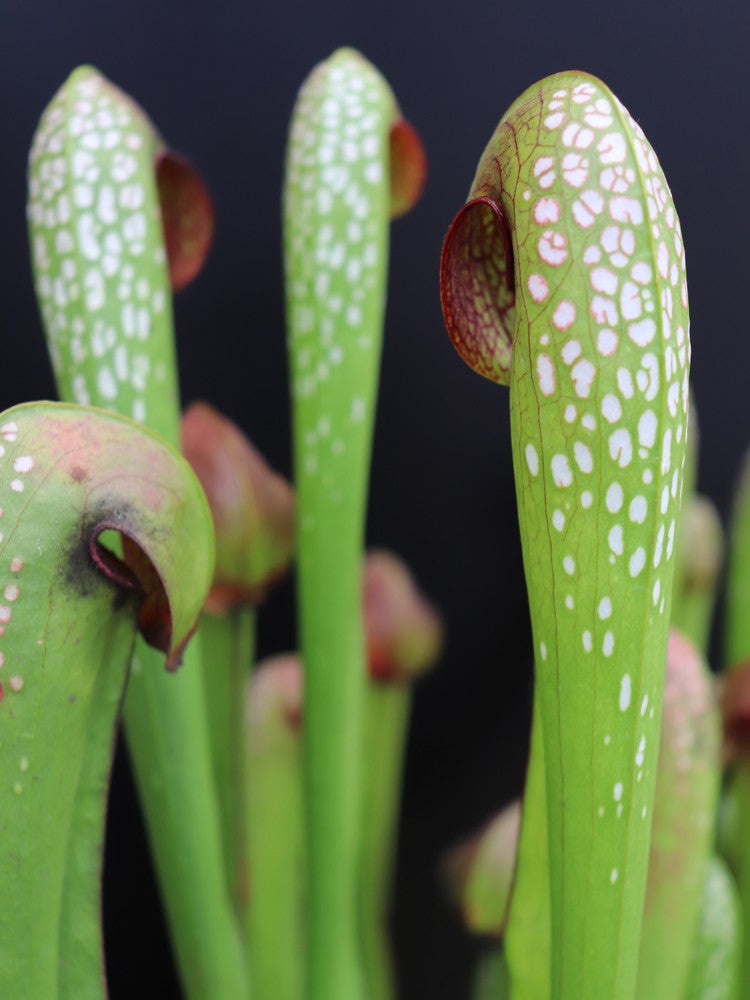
x,y
220,81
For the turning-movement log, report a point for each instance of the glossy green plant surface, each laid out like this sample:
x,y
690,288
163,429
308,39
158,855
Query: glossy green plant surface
x,y
403,633
275,920
715,958
253,513
480,872
698,569
69,617
687,787
349,163
491,978
98,178
564,277
529,912
736,655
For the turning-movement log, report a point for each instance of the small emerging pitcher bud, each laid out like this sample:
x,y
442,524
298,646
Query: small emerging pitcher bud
x,y
479,872
252,507
404,632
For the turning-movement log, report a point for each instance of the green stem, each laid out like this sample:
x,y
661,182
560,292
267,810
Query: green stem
x,y
736,653
228,646
387,710
170,752
527,938
274,925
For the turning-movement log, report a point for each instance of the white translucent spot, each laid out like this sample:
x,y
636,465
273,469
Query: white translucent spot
x,y
644,705
625,382
638,509
620,447
666,453
614,539
614,498
564,315
604,310
658,547
624,209
545,372
106,383
569,602
569,565
611,408
643,332
641,272
586,639
640,752
24,463
582,374
631,305
546,210
647,429
605,608
664,503
16,485
552,248
532,459
561,471
558,520
11,592
608,643
586,499
613,876
606,342
592,255
637,561
611,148
571,351
583,456
603,280
617,791
570,413
538,287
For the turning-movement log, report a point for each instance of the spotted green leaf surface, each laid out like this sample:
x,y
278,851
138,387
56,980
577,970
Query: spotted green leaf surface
x,y
101,274
337,200
564,277
100,266
69,618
